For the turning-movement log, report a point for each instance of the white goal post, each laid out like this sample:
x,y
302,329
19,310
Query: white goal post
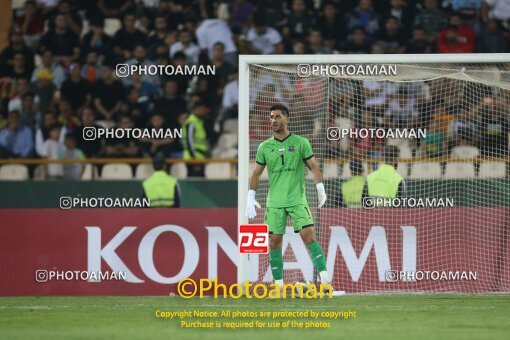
x,y
290,62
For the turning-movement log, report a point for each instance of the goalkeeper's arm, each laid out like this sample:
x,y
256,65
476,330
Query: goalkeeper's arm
x,y
251,203
313,165
254,182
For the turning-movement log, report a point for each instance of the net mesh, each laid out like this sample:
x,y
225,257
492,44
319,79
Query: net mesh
x,y
462,160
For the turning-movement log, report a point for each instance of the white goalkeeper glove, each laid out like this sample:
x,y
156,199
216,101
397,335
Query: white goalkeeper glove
x,y
251,213
321,194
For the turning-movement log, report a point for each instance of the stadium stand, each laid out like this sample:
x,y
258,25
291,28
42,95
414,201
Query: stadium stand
x,y
143,171
459,170
465,151
217,171
116,171
179,170
425,171
13,172
90,172
492,170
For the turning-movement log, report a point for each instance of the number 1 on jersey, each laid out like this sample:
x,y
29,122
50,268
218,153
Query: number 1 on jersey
x,y
283,160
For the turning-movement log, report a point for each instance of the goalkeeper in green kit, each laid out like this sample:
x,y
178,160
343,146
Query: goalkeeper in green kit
x,y
285,155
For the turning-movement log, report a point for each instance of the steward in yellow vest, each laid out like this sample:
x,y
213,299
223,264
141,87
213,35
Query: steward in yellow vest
x,y
194,138
386,182
352,190
161,189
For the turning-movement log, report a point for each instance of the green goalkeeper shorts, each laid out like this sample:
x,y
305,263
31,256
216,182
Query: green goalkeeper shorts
x,y
276,218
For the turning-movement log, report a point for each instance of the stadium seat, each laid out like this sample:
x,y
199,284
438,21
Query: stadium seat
x,y
117,171
90,172
227,140
459,170
425,171
179,170
405,151
143,171
216,170
231,125
228,153
398,142
224,153
216,152
330,170
492,170
111,26
17,4
402,169
346,171
13,172
465,151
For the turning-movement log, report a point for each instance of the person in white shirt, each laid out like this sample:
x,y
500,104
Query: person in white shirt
x,y
230,95
229,102
496,9
263,39
261,79
72,170
22,87
54,149
43,132
402,112
210,31
185,45
377,93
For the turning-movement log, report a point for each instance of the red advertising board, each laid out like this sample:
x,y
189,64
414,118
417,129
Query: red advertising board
x,y
58,240
446,240
158,247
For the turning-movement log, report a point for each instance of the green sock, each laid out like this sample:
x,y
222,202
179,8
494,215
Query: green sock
x,y
317,256
276,262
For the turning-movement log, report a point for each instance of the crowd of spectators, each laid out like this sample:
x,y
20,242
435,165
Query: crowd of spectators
x,y
453,113
450,112
57,75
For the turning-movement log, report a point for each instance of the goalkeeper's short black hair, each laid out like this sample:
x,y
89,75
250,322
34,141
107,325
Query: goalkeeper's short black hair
x,y
280,107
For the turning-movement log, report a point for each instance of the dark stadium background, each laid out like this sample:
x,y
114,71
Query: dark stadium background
x,y
102,33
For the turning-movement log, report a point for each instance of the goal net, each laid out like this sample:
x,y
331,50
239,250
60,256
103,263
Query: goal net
x,y
447,117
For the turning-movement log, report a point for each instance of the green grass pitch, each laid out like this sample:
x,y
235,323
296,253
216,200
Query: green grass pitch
x,y
438,316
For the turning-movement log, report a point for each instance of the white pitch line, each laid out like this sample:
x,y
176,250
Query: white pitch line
x,y
184,306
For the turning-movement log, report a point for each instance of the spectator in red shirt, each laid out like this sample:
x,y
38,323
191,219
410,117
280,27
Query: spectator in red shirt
x,y
31,24
456,38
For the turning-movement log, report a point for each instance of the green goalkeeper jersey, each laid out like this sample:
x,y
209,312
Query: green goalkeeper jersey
x,y
286,165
